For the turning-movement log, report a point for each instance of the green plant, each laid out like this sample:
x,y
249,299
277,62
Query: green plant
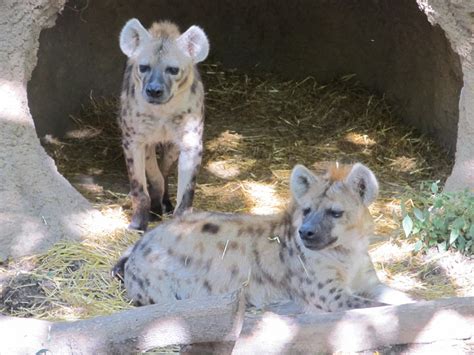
x,y
441,219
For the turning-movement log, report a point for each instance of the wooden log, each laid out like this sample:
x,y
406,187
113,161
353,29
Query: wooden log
x,y
443,321
213,319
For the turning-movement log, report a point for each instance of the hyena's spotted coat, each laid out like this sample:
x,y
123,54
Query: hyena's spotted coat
x,y
315,253
162,106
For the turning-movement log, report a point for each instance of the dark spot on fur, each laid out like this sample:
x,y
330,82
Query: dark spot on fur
x,y
137,303
170,252
332,290
282,257
151,301
340,304
208,265
210,228
318,306
134,184
312,294
207,286
322,298
189,110
188,261
194,86
290,251
147,252
147,282
349,304
309,281
320,285
178,297
337,297
234,271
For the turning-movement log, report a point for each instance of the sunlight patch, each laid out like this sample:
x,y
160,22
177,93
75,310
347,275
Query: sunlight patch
x,y
359,139
224,169
404,164
263,197
226,141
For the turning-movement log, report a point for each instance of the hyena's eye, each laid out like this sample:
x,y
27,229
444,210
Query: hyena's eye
x,y
143,68
172,70
306,211
335,213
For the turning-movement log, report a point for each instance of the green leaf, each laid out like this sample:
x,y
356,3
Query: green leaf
x,y
453,236
439,223
442,246
418,214
434,187
471,231
459,223
418,245
407,225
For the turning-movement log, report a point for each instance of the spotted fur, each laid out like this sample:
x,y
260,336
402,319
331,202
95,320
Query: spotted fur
x,y
162,108
314,253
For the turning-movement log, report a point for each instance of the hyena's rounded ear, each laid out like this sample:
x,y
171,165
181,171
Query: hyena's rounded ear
x,y
301,180
194,43
132,36
363,181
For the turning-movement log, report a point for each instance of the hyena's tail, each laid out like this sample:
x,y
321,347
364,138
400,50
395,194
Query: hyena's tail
x,y
118,270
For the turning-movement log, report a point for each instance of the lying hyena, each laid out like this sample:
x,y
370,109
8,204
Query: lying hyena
x,y
162,106
314,253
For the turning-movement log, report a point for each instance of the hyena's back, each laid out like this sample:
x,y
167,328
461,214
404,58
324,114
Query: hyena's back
x,y
198,255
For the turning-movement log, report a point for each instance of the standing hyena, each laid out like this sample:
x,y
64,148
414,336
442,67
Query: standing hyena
x,y
314,253
162,106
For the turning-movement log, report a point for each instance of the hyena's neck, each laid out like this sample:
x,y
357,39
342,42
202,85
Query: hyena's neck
x,y
286,228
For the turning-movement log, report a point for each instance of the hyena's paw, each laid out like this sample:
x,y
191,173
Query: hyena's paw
x,y
168,207
118,271
156,211
139,222
390,295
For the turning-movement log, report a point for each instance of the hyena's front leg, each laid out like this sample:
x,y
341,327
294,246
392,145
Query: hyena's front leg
x,y
169,154
341,300
135,160
190,158
156,182
367,284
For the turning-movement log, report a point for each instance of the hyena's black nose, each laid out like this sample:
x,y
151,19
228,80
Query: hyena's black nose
x,y
305,233
154,90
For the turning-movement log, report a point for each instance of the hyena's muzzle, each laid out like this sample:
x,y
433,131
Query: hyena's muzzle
x,y
156,90
315,231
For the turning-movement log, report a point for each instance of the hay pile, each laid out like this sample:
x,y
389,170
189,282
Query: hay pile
x,y
257,128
